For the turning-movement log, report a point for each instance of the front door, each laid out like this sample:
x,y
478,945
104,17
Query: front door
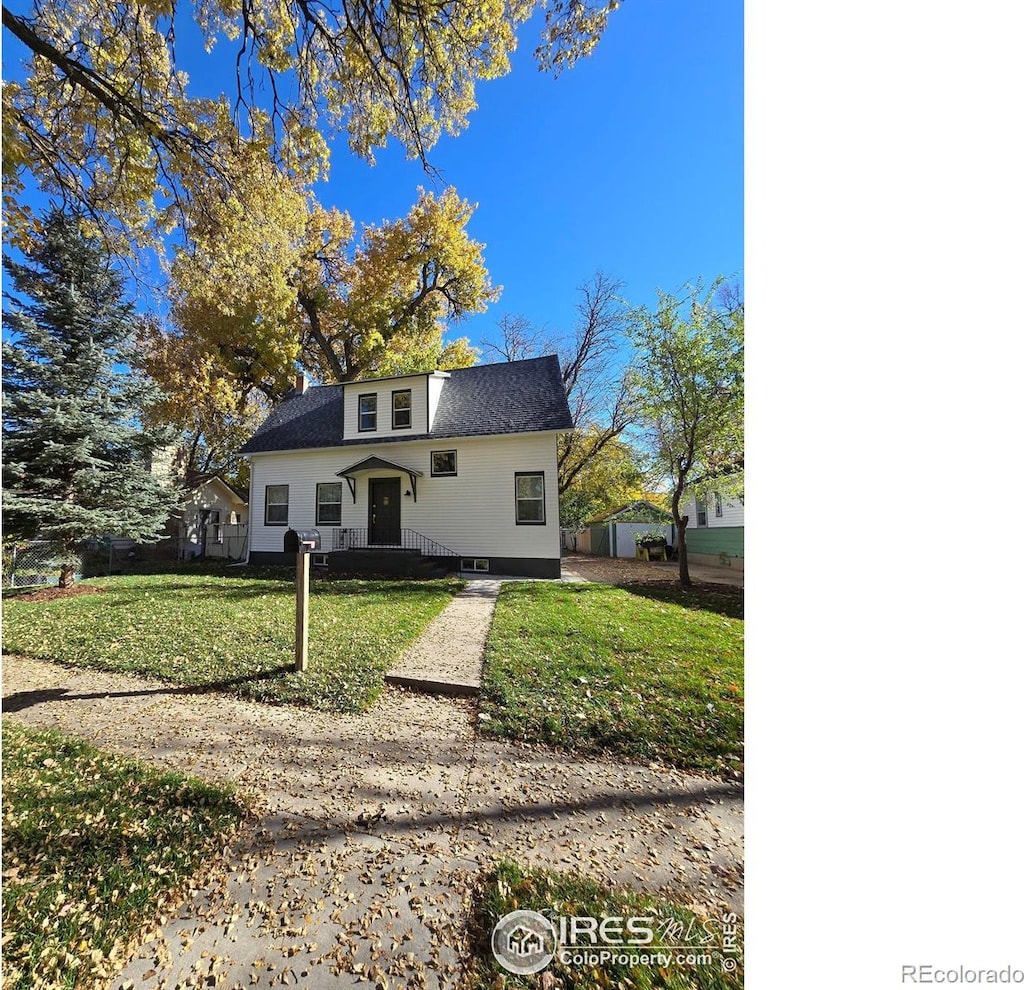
x,y
385,511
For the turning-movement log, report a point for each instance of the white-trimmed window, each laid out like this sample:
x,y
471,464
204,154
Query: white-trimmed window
x,y
702,513
367,412
214,520
401,409
443,463
328,504
529,498
475,564
276,506
718,506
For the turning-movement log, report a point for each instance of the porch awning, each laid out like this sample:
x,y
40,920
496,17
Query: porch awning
x,y
375,463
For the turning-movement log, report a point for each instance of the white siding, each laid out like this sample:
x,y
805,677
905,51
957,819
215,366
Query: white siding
x,y
732,513
417,384
212,495
472,513
434,385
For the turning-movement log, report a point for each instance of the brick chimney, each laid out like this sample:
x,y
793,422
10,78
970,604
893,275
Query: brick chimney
x,y
300,383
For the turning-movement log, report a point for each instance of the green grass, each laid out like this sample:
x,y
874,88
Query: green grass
x,y
95,847
234,633
639,672
510,888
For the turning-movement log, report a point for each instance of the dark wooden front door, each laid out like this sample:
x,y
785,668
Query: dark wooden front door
x,y
385,511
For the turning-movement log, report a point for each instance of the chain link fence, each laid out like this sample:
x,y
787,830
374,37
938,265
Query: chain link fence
x,y
29,565
36,563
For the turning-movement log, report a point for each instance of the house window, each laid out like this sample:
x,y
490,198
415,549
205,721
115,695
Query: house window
x,y
213,521
442,462
401,410
367,412
475,564
328,504
530,499
277,505
718,505
702,513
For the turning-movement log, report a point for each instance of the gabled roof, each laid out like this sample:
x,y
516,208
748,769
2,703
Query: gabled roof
x,y
488,400
196,481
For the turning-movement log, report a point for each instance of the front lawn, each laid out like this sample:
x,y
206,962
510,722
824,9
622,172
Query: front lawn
x,y
684,950
641,672
95,847
234,633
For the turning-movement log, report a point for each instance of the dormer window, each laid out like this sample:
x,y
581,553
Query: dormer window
x,y
367,412
401,409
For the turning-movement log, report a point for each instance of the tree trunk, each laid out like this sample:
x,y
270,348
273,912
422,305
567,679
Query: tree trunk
x,y
67,575
684,567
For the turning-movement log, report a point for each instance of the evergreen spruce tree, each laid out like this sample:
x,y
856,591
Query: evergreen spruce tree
x,y
76,460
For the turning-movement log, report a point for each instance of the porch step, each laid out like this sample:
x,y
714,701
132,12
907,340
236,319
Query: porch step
x,y
428,686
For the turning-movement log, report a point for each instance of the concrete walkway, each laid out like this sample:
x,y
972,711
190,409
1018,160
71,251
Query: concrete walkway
x,y
373,827
448,658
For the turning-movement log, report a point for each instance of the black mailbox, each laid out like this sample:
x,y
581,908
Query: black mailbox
x,y
301,540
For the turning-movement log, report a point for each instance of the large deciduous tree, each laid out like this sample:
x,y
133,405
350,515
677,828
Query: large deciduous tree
x,y
76,462
270,278
108,116
612,477
591,360
689,386
209,412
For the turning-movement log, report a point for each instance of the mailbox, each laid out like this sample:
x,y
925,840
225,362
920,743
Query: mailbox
x,y
301,540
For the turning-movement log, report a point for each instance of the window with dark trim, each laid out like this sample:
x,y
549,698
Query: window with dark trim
x,y
368,412
328,504
276,506
401,409
529,498
442,462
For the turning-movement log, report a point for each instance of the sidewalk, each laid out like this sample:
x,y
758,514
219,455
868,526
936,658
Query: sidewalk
x,y
448,658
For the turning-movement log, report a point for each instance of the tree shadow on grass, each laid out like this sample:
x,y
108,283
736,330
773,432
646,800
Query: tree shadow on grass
x,y
718,598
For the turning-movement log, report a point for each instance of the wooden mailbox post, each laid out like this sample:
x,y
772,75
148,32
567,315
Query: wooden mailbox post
x,y
301,542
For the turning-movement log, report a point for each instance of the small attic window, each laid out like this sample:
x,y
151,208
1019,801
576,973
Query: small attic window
x,y
367,412
401,409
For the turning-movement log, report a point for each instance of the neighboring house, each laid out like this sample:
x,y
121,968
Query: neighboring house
x,y
213,520
714,534
459,467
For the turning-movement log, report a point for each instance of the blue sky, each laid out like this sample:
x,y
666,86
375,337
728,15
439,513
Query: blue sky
x,y
632,162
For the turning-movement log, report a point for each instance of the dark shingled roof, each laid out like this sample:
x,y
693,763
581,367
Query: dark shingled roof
x,y
512,397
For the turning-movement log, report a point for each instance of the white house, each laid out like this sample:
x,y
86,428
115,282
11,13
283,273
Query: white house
x,y
213,520
459,467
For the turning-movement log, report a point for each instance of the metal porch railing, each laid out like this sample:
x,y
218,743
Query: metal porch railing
x,y
354,538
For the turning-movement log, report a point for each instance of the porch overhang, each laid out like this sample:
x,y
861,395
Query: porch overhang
x,y
375,463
